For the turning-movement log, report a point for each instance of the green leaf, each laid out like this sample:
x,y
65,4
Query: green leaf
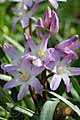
x,y
48,110
75,94
21,109
15,43
2,118
75,84
5,77
5,97
74,107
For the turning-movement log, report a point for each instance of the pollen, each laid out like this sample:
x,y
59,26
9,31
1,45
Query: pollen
x,y
60,69
24,77
40,53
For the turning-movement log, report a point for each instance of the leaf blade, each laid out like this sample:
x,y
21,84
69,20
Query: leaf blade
x,y
48,110
5,77
21,109
74,107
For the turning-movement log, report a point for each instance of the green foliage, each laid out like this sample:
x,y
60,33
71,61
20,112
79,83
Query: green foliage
x,y
48,110
5,97
74,107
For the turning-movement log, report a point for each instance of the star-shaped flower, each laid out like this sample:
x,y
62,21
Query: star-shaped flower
x,y
62,71
40,54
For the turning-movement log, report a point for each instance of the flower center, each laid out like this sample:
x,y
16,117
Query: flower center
x,y
40,53
24,77
60,69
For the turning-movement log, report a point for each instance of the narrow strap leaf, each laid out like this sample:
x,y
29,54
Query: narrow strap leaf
x,y
5,77
48,110
21,109
74,107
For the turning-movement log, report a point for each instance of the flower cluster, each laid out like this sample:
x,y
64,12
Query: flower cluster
x,y
24,73
38,57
